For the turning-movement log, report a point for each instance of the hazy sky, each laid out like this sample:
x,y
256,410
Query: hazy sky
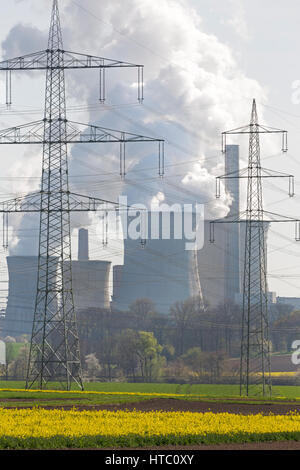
x,y
255,44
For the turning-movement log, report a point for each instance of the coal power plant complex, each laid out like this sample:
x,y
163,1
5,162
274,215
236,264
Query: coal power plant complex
x,y
162,270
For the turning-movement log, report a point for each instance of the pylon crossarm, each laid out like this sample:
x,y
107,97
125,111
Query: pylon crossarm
x,y
231,218
33,61
259,129
273,217
28,203
242,219
264,173
44,60
234,218
83,133
72,60
78,133
255,129
33,133
234,174
77,202
75,60
266,217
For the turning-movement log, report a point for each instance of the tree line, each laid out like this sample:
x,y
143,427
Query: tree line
x,y
188,344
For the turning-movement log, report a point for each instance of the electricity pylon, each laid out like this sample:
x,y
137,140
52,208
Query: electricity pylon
x,y
54,348
255,366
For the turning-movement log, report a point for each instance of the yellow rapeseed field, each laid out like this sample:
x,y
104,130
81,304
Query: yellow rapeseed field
x,y
42,423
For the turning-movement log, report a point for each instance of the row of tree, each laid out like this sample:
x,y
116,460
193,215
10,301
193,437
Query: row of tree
x,y
140,344
189,342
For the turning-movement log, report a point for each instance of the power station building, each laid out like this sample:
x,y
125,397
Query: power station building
x,y
162,271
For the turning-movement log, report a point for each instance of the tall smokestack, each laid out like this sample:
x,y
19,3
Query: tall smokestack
x,y
83,244
232,184
232,246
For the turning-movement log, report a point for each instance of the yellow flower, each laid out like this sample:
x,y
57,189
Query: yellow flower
x,y
24,423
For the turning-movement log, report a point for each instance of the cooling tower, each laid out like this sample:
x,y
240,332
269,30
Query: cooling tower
x,y
90,289
91,284
22,271
163,271
117,280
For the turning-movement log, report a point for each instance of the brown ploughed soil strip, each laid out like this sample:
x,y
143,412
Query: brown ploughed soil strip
x,y
170,404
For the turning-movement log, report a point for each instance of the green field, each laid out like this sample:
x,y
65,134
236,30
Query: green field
x,y
130,392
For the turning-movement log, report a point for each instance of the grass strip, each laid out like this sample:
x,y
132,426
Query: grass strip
x,y
79,392
22,393
134,440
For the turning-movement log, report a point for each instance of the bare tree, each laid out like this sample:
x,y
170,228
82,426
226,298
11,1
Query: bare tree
x,y
142,308
182,314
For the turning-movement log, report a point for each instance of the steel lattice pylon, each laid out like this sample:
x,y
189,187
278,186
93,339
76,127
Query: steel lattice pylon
x,y
54,349
255,366
255,345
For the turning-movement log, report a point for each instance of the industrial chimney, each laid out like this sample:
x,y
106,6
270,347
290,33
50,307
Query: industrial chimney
x,y
219,262
83,244
232,236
